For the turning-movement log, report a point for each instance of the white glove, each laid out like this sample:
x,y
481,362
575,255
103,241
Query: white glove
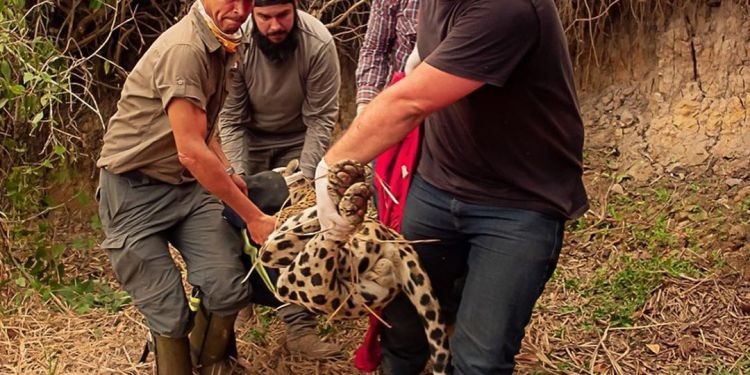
x,y
330,221
294,177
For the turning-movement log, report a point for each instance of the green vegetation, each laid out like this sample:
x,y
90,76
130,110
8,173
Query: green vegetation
x,y
259,332
654,237
42,91
616,297
43,272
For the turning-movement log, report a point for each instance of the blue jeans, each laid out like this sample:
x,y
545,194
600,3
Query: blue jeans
x,y
502,256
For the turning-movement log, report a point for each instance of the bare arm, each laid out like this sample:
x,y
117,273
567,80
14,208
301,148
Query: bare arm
x,y
216,148
190,131
397,110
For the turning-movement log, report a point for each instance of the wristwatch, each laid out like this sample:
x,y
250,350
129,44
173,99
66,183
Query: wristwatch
x,y
230,170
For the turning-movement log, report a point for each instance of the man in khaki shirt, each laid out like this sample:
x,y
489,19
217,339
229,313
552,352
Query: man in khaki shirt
x,y
159,167
282,104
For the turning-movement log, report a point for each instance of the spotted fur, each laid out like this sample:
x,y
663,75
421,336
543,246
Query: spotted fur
x,y
351,278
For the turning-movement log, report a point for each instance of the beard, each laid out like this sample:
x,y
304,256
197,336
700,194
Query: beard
x,y
277,52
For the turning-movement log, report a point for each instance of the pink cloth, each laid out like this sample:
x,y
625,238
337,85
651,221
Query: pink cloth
x,y
394,169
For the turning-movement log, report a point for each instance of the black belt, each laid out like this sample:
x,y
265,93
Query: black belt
x,y
139,178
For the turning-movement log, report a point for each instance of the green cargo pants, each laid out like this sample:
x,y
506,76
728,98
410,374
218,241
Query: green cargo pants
x,y
140,217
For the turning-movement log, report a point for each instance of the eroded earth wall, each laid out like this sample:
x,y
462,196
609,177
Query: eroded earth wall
x,y
676,100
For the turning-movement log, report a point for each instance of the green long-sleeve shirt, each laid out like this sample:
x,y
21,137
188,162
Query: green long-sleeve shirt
x,y
271,105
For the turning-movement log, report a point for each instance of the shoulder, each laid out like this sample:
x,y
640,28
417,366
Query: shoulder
x,y
167,59
312,30
489,18
383,5
180,39
181,52
498,12
182,32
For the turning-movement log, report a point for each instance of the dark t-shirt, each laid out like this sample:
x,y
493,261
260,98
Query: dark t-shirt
x,y
516,141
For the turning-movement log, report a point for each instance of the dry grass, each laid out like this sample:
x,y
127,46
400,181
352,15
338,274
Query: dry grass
x,y
38,338
693,319
687,324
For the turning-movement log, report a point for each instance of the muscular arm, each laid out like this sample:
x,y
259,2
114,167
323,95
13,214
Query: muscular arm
x,y
216,148
190,131
397,110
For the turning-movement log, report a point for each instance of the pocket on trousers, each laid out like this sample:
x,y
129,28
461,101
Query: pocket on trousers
x,y
114,242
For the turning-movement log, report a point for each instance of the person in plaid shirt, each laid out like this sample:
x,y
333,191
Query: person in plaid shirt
x,y
391,34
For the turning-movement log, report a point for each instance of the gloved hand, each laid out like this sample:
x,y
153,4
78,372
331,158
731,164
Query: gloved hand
x,y
328,216
294,177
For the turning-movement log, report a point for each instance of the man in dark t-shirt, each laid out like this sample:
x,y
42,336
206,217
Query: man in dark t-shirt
x,y
499,175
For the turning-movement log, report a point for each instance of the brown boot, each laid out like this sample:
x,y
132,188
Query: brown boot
x,y
172,356
301,337
212,342
310,346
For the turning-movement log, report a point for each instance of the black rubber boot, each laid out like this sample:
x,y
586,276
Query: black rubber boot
x,y
212,343
172,356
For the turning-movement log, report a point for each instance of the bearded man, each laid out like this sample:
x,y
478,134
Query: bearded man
x,y
282,105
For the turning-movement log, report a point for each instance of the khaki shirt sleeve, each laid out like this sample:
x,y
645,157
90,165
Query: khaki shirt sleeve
x,y
321,107
180,72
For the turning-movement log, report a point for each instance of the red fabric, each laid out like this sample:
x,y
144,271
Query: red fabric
x,y
368,355
393,170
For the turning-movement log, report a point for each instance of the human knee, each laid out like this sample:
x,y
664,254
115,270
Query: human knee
x,y
167,319
473,351
160,297
223,292
465,363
